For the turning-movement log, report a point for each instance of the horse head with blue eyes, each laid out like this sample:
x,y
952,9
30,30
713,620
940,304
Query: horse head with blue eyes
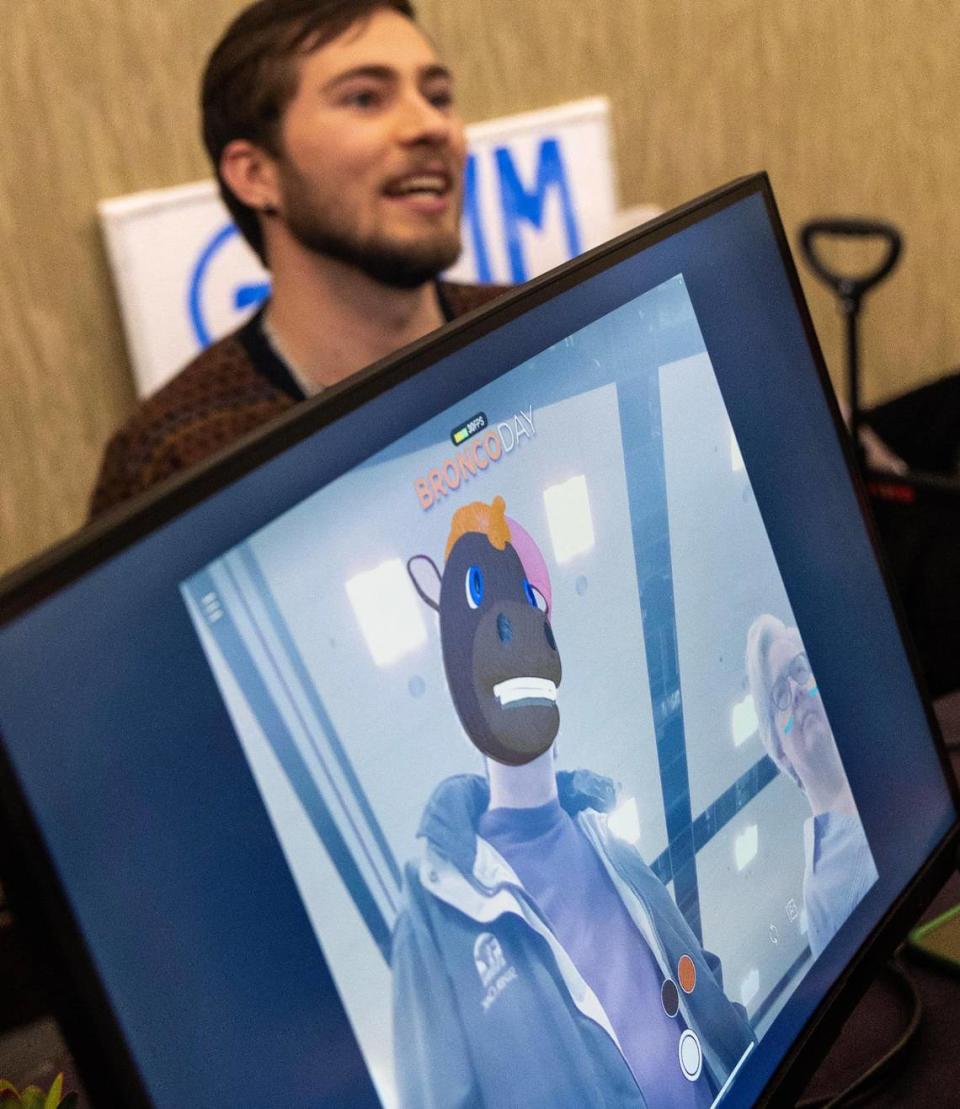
x,y
499,654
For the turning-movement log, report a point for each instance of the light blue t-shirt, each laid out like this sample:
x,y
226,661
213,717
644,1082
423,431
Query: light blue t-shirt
x,y
838,872
568,883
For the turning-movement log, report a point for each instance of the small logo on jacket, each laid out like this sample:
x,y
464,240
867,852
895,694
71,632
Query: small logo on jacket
x,y
492,968
488,956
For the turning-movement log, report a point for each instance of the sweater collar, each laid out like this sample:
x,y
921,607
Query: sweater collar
x,y
449,822
267,361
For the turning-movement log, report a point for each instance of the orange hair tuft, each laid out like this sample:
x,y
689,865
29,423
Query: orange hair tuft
x,y
487,519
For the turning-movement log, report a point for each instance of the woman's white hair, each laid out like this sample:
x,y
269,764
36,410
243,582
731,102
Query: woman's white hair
x,y
764,631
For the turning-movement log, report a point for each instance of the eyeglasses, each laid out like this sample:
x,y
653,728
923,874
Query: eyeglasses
x,y
796,670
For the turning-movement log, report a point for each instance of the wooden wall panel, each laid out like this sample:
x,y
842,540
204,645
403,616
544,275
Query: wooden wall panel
x,y
851,107
96,99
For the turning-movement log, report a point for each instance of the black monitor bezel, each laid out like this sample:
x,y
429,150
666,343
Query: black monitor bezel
x,y
81,1001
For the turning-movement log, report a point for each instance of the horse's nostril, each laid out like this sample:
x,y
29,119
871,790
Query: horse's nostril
x,y
504,628
548,632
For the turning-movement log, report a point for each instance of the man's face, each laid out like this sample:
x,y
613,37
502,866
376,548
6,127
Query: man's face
x,y
802,726
372,153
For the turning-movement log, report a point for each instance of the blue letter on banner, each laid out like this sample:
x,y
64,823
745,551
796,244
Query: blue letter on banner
x,y
474,222
518,204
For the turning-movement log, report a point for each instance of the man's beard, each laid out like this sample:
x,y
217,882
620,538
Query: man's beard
x,y
399,265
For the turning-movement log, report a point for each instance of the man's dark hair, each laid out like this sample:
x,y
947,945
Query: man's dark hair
x,y
251,77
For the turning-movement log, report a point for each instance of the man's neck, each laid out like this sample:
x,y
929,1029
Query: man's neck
x,y
522,787
329,319
833,797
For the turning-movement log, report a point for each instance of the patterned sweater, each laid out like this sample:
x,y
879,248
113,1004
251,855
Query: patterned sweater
x,y
234,386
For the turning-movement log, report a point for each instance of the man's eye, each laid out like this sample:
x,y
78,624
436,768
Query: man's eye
x,y
362,98
440,96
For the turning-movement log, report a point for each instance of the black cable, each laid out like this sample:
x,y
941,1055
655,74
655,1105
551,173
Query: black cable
x,y
864,1084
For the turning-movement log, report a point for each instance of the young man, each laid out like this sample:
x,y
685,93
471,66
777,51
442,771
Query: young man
x,y
537,959
340,154
797,736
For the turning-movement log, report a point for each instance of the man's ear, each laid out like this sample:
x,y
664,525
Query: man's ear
x,y
251,175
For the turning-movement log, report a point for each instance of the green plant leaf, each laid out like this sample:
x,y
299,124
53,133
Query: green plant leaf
x,y
7,1087
33,1098
55,1094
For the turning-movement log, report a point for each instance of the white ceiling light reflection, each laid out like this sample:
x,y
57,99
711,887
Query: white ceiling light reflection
x,y
624,821
743,720
569,518
387,611
749,986
745,846
736,458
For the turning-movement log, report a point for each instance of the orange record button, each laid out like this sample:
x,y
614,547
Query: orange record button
x,y
686,974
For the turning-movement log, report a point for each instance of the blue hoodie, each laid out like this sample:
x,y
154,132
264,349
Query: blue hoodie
x,y
489,1010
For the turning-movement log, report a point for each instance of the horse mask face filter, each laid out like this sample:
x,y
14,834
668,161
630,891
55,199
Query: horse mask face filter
x,y
499,653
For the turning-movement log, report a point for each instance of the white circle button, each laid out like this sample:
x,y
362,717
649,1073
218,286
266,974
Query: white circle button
x,y
691,1056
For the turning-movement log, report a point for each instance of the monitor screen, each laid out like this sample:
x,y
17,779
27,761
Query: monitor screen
x,y
537,731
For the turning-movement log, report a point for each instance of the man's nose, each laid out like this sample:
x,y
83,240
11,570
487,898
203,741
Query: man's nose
x,y
798,689
425,122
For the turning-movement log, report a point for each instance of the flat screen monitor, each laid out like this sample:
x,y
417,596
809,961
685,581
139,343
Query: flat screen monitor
x,y
525,722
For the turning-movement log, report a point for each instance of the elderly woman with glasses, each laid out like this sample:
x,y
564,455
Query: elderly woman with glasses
x,y
796,733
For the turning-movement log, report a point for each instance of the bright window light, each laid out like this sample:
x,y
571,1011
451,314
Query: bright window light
x,y
388,611
624,821
568,515
743,720
745,846
749,986
736,458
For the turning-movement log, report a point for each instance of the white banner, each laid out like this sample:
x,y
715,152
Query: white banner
x,y
539,190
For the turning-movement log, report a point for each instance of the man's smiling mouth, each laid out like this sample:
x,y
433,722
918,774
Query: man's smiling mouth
x,y
431,184
525,690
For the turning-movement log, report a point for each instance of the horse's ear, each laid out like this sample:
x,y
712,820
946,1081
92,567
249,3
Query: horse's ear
x,y
426,579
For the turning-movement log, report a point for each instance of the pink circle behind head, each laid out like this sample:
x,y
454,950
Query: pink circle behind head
x,y
534,564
